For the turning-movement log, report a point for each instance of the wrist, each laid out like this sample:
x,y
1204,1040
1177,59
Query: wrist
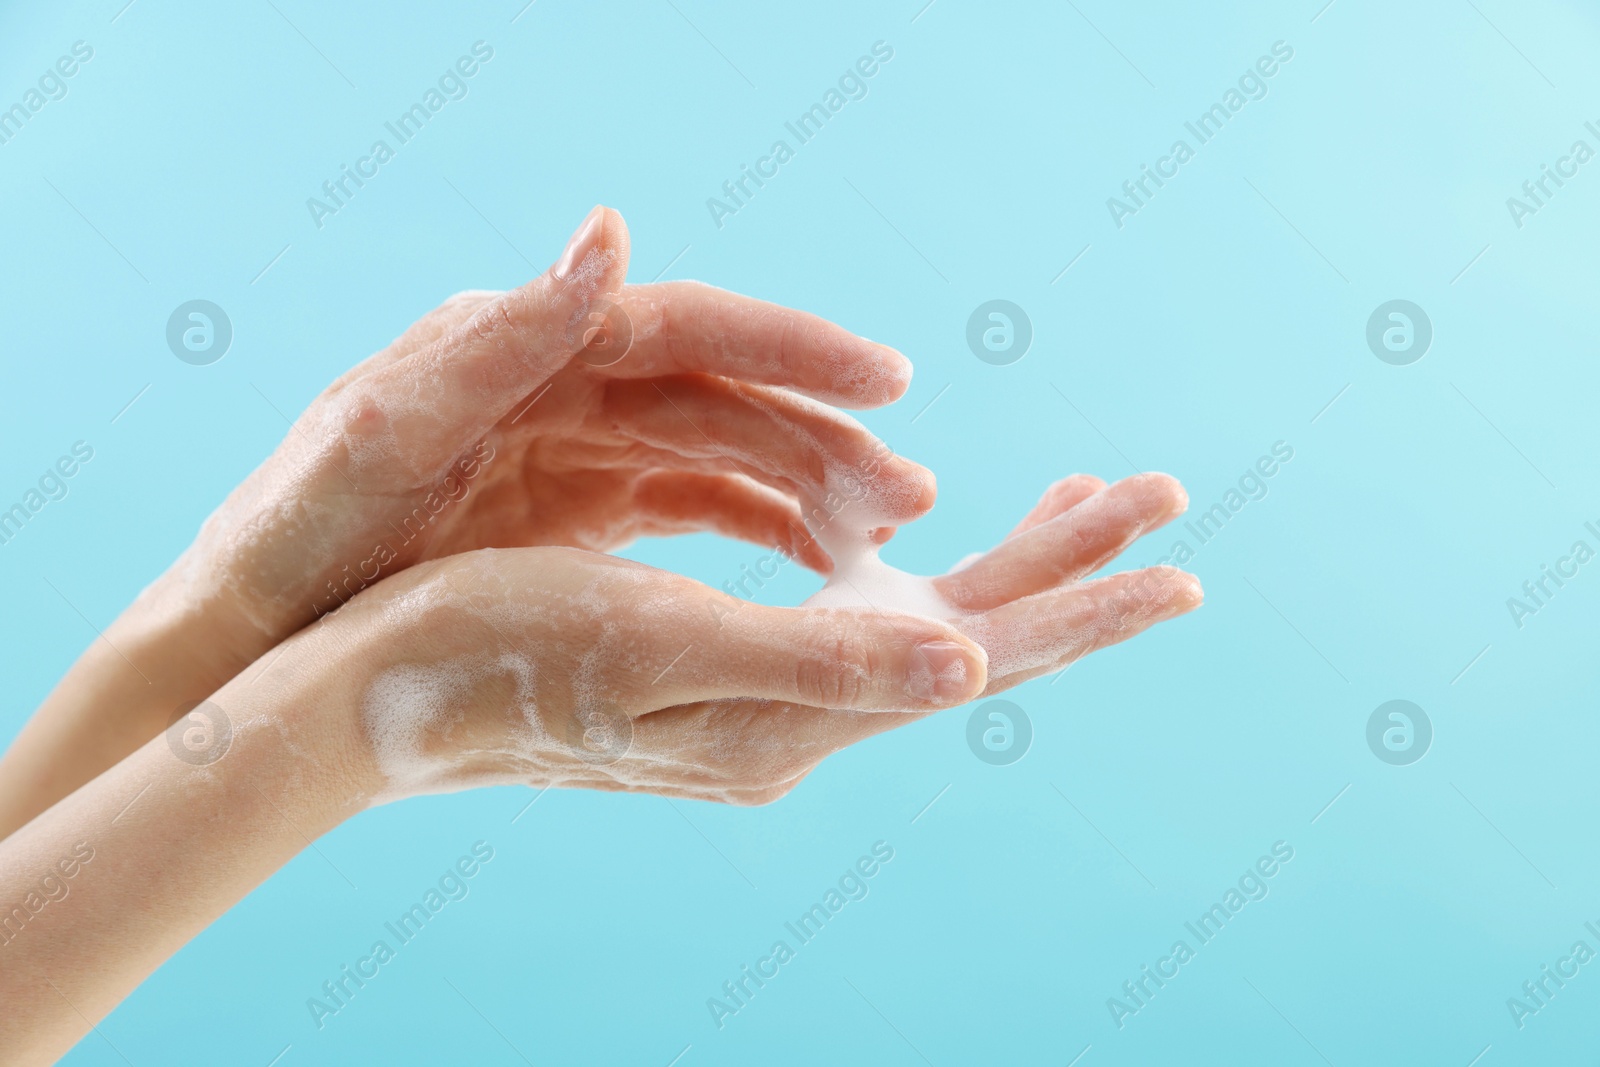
x,y
158,658
164,652
189,619
308,692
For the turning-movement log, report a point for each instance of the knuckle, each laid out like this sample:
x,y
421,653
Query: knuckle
x,y
791,340
357,414
469,299
454,310
837,671
498,321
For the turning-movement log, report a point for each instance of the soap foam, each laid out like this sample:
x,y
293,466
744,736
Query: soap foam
x,y
402,705
1027,642
855,501
493,716
860,579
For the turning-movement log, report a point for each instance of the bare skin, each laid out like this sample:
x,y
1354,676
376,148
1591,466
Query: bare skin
x,y
431,447
504,641
478,652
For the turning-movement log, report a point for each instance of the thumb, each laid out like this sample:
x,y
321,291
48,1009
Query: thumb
x,y
839,658
454,390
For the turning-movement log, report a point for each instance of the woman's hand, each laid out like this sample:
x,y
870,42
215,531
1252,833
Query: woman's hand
x,y
573,411
1027,600
543,666
557,667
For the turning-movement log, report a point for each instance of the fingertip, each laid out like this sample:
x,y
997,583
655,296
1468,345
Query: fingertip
x,y
1165,485
979,678
870,375
949,670
900,491
1192,593
1183,590
615,236
600,241
584,239
928,491
897,371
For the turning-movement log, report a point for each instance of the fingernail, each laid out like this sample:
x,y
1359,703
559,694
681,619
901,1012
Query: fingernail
x,y
942,671
586,238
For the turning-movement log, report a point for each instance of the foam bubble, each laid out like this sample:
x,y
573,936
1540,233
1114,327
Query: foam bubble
x,y
401,706
860,579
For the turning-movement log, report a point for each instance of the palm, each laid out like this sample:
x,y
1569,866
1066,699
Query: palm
x,y
1024,601
561,475
595,458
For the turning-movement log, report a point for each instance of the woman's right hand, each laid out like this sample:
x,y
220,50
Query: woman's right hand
x,y
558,667
540,666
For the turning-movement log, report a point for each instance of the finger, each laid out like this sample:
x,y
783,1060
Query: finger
x,y
450,392
1069,491
1068,547
732,505
754,752
689,326
1057,499
821,455
1050,630
455,310
685,783
846,659
763,751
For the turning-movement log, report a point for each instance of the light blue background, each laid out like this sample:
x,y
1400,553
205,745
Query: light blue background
x,y
1221,319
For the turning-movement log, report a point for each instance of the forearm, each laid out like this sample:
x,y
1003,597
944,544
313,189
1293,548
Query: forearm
x,y
86,907
169,650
